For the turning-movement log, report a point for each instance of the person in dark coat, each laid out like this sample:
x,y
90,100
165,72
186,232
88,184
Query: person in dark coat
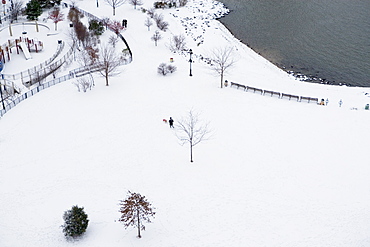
x,y
171,122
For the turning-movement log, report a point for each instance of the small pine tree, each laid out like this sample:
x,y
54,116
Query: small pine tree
x,y
96,27
136,209
76,222
33,10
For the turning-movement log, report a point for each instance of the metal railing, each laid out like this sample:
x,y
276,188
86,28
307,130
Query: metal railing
x,y
12,103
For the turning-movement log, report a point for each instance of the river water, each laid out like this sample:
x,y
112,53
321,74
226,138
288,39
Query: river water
x,y
326,40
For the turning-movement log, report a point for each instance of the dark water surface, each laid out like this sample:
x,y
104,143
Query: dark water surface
x,y
328,40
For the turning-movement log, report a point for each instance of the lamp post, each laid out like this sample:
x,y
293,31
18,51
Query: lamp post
x,y
190,61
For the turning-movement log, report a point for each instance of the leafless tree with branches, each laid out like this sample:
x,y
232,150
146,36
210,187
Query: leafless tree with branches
x,y
109,61
221,60
84,83
148,23
191,130
15,9
56,16
177,43
113,40
115,4
136,3
156,36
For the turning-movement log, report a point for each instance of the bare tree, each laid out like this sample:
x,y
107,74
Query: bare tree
x,y
15,9
157,17
109,61
56,16
222,60
148,23
84,83
116,27
151,12
82,33
115,4
135,210
113,39
136,3
191,130
156,36
161,24
177,43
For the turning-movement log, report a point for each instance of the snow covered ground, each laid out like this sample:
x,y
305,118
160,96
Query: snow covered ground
x,y
275,172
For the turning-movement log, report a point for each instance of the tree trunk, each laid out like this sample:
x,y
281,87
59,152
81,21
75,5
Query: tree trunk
x,y
191,152
106,80
114,11
138,224
222,78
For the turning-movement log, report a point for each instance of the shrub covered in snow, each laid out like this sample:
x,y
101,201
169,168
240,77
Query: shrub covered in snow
x,y
164,69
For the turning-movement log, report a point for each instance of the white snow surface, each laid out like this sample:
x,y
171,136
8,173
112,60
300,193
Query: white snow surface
x,y
274,173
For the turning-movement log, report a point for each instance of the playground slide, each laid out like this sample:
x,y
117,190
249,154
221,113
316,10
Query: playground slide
x,y
25,50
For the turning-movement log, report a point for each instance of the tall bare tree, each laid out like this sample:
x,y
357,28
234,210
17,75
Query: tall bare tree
x,y
191,130
222,59
135,210
109,61
148,23
16,7
136,3
115,4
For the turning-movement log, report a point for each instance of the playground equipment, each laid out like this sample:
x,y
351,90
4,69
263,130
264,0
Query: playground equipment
x,y
26,45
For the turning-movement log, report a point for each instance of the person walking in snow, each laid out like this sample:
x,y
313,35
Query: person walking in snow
x,y
171,122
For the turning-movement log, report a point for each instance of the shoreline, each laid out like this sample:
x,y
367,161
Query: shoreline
x,y
199,22
289,69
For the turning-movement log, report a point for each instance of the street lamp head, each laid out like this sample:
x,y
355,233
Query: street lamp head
x,y
191,51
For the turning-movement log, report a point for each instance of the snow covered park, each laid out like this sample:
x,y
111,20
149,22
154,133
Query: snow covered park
x,y
275,172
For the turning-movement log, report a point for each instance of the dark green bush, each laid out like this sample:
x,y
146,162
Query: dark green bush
x,y
76,222
96,27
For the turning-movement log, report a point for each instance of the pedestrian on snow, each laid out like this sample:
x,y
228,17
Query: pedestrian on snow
x,y
340,103
171,122
327,101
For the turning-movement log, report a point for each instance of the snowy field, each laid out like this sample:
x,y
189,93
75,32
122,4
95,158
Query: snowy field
x,y
275,172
